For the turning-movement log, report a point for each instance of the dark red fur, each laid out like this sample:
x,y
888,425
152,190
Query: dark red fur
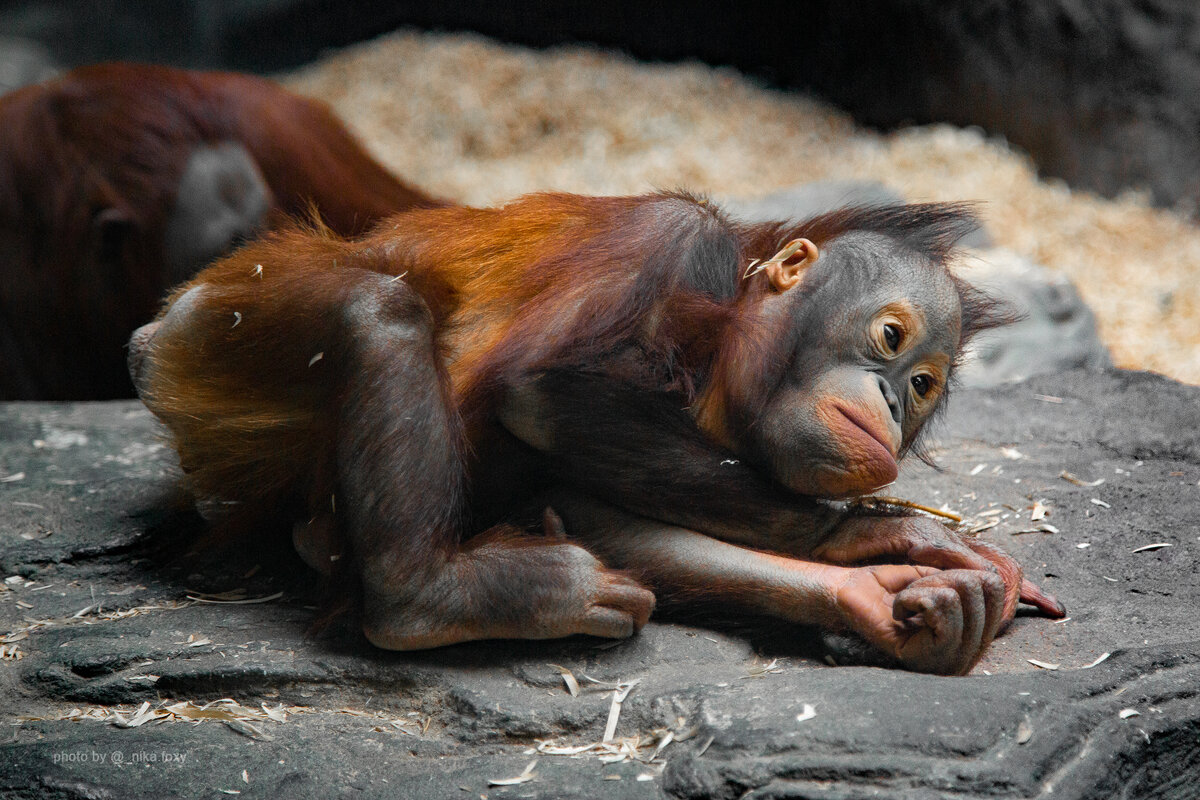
x,y
117,136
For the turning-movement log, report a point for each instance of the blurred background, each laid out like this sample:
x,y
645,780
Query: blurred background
x,y
1077,122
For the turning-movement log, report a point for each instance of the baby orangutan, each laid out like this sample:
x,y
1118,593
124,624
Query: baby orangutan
x,y
692,394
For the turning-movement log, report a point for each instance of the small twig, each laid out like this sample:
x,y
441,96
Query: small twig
x,y
896,501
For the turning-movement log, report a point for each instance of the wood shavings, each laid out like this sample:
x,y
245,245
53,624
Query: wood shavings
x,y
140,717
757,670
1103,657
91,615
316,358
13,478
614,711
569,679
526,775
257,271
240,601
985,525
1069,478
1043,664
789,250
978,469
247,729
1024,732
643,748
1012,453
1149,547
1039,511
275,714
1126,713
807,713
237,319
662,744
1096,501
195,641
1048,398
1083,545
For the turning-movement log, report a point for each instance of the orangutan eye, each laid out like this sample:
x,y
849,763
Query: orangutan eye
x,y
891,337
921,384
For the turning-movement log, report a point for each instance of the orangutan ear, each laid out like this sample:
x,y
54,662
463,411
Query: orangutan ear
x,y
786,268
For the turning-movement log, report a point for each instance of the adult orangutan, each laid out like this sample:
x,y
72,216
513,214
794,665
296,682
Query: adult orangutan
x,y
119,181
691,394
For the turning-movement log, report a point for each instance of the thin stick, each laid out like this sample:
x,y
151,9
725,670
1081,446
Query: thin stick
x,y
896,501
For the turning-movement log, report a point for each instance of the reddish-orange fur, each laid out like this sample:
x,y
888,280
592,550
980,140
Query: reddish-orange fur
x,y
404,394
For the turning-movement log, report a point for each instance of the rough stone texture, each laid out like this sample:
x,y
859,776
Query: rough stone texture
x,y
1055,330
91,523
22,62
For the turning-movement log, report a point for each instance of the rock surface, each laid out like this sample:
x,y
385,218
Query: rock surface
x,y
96,598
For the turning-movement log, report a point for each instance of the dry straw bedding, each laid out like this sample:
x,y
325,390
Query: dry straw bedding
x,y
481,122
